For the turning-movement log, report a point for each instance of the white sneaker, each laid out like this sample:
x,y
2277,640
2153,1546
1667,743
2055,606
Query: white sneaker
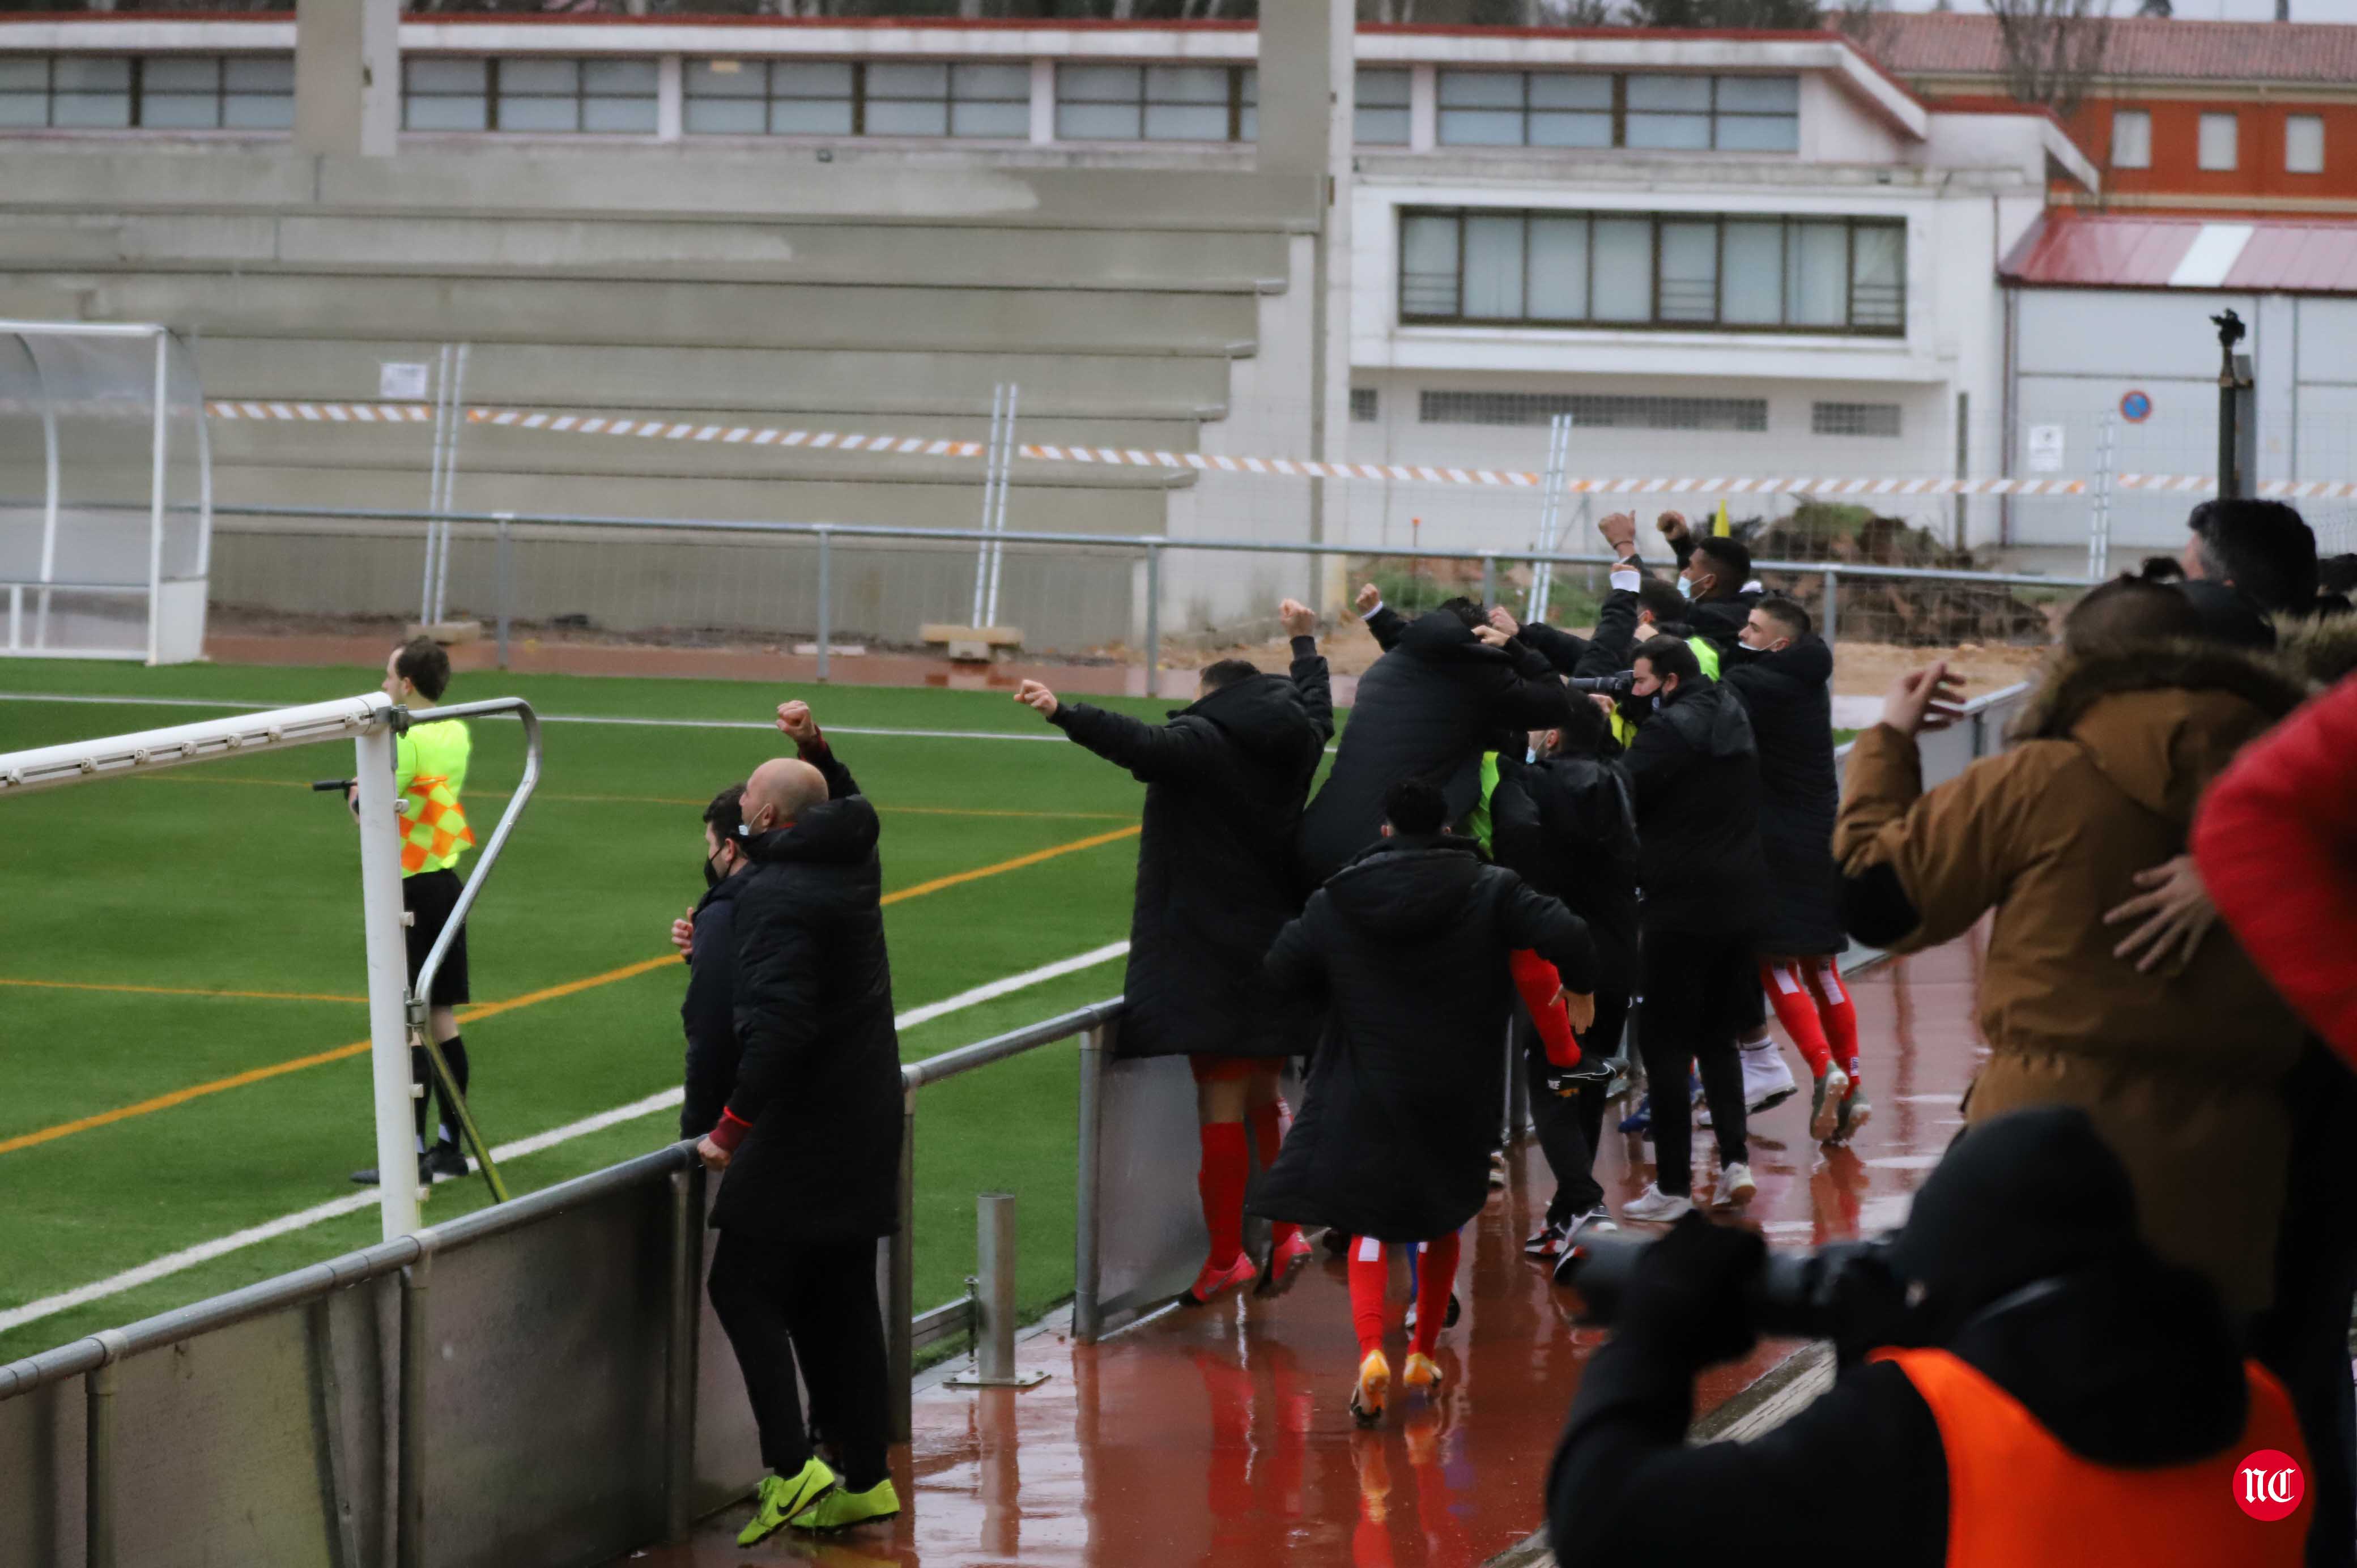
x,y
1656,1205
1767,1080
1736,1187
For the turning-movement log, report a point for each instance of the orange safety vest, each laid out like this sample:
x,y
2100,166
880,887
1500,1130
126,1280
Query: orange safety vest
x,y
433,823
2018,1499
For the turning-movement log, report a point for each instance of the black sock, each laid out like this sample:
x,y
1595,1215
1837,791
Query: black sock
x,y
454,1052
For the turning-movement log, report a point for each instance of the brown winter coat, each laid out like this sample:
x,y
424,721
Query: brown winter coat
x,y
2180,1071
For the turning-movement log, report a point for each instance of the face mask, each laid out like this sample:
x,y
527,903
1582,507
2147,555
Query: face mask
x,y
1529,754
712,875
1685,587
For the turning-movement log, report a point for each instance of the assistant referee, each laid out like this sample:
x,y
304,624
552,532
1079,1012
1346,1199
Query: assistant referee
x,y
429,773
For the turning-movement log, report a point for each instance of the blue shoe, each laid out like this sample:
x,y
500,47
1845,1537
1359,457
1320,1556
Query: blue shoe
x,y
1639,1120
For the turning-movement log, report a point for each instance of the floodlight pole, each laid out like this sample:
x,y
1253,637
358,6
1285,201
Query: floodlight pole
x,y
156,471
388,976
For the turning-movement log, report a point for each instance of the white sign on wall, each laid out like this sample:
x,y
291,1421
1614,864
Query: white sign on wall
x,y
2045,448
399,380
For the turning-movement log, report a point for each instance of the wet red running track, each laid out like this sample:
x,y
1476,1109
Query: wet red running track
x,y
1220,1436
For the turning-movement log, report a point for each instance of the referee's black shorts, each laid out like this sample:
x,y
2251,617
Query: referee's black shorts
x,y
429,896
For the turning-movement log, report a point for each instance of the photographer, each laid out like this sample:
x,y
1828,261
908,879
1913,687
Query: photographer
x,y
2041,1389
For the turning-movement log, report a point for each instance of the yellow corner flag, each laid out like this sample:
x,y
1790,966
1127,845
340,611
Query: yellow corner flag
x,y
1718,529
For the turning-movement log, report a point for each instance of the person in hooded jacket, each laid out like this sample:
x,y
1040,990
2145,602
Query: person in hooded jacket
x,y
1693,772
706,940
2182,1066
1225,781
1783,672
1445,688
1407,950
809,1138
1564,823
2030,1387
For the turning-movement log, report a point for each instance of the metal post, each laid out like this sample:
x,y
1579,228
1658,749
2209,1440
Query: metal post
x,y
898,1311
327,1413
50,494
682,1320
388,973
450,485
98,1465
998,519
994,1298
1087,1320
506,574
155,466
434,485
1534,603
416,1357
1830,616
989,492
1963,454
825,596
2099,526
1153,613
2233,383
1488,579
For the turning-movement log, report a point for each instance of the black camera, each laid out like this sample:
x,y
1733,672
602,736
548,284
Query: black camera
x,y
1612,685
1830,1294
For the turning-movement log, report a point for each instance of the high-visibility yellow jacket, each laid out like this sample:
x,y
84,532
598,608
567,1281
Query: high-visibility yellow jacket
x,y
429,770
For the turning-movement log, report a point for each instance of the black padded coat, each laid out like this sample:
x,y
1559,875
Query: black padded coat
x,y
819,1074
1695,770
1217,876
1568,826
1789,695
1406,948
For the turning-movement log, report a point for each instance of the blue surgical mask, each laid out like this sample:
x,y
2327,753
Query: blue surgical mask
x,y
1685,587
1529,754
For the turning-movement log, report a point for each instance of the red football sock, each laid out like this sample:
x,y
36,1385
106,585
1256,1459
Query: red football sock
x,y
1838,1011
1268,1123
1436,1276
1537,982
1796,1009
1371,1280
1227,1164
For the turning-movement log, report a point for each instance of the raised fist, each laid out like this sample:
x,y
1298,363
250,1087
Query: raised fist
x,y
1299,620
1369,597
1672,524
1037,697
794,721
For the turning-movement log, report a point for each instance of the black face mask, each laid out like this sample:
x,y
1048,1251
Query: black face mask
x,y
713,875
1637,709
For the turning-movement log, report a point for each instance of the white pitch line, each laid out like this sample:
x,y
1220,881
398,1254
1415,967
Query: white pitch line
x,y
171,1264
1051,736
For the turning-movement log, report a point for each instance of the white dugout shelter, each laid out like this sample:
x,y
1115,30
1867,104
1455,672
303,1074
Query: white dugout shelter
x,y
105,493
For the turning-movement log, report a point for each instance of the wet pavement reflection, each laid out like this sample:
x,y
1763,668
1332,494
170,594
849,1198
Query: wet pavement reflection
x,y
1220,1436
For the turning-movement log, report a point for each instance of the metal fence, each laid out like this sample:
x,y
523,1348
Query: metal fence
x,y
543,1382
822,587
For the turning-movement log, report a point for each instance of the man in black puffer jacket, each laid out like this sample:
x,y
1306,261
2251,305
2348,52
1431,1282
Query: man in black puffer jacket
x,y
810,1137
707,940
1216,881
1564,823
1407,950
1427,709
1783,672
1695,770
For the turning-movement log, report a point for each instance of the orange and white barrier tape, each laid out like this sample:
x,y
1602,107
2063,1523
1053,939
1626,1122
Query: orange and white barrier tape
x,y
1222,463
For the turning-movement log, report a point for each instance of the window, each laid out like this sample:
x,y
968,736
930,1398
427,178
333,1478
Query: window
x,y
1655,270
1156,103
1381,116
2304,144
164,93
2218,151
531,94
856,98
2131,138
1853,419
1366,406
1592,411
1646,110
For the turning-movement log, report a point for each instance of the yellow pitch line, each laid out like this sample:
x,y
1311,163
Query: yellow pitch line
x,y
491,1009
679,800
184,990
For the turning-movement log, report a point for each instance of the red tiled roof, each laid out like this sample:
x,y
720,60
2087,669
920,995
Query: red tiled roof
x,y
2153,49
2076,250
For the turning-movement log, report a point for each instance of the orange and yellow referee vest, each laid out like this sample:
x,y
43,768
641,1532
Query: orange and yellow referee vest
x,y
429,772
2018,1499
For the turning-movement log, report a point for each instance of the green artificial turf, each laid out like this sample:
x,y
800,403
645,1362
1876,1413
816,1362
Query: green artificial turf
x,y
230,876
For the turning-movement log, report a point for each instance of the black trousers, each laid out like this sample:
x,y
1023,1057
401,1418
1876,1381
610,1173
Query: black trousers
x,y
1569,1126
781,1303
2303,1337
1701,996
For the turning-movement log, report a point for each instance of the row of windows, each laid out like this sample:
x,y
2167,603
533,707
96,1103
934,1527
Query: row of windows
x,y
1482,265
1595,411
877,97
173,92
2218,148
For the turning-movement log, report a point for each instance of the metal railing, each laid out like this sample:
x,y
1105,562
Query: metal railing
x,y
504,528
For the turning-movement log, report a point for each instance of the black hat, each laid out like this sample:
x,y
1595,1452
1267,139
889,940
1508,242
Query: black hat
x,y
2023,1197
